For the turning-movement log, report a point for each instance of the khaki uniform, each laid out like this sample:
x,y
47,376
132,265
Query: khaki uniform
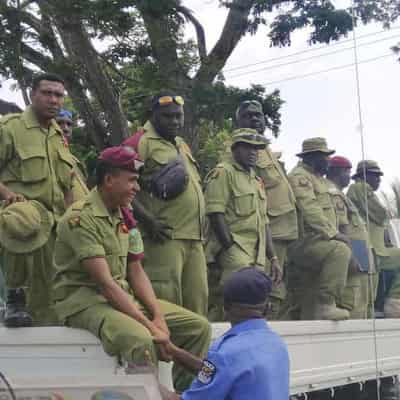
x,y
282,215
240,196
387,258
177,267
36,163
79,188
357,294
89,230
320,263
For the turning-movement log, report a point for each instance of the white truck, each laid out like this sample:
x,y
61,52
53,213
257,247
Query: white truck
x,y
57,363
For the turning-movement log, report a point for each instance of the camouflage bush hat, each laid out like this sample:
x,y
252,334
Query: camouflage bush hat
x,y
369,166
25,226
314,145
250,136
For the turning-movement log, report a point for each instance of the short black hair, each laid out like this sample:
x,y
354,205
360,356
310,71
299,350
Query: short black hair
x,y
46,77
102,169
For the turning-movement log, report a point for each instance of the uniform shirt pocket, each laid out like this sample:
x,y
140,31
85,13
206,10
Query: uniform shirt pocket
x,y
244,204
34,166
65,164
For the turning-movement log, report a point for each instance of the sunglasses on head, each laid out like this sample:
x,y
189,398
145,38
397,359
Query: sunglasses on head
x,y
167,100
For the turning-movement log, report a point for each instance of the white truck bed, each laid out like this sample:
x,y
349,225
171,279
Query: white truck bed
x,y
323,354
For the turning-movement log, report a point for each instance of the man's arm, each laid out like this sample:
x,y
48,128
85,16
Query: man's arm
x,y
221,229
121,301
157,229
276,271
141,285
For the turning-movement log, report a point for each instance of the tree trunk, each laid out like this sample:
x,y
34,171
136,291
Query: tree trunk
x,y
85,57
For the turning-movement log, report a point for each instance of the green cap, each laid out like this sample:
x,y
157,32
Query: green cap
x,y
25,226
250,136
369,166
315,145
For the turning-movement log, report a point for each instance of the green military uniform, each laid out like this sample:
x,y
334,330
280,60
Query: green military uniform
x,y
36,163
356,297
386,258
89,230
320,262
282,214
79,188
176,267
240,196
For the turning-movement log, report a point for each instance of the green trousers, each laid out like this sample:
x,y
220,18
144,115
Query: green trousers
x,y
391,262
354,298
228,261
33,271
321,272
178,272
279,292
124,337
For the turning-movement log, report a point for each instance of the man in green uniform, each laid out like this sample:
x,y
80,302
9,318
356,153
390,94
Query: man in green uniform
x,y
170,208
281,205
79,177
357,295
236,206
367,181
35,164
100,284
321,256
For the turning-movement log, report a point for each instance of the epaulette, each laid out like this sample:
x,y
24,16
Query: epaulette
x,y
4,119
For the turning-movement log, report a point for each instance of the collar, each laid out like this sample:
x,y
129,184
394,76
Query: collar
x,y
237,166
31,121
248,325
98,206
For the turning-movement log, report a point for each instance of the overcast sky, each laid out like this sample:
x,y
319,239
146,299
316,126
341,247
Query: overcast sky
x,y
319,105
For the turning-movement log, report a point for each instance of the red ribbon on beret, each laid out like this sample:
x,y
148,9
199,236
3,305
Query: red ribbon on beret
x,y
340,162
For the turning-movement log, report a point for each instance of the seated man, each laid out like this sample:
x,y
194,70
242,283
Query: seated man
x,y
249,361
100,284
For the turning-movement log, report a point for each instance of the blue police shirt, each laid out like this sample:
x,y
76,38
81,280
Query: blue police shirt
x,y
249,362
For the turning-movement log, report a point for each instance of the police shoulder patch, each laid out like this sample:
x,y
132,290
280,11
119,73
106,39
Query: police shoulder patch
x,y
207,372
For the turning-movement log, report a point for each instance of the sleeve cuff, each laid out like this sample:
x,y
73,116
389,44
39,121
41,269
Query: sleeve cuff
x,y
215,208
91,252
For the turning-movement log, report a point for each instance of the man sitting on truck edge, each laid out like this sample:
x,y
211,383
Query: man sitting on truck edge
x,y
100,284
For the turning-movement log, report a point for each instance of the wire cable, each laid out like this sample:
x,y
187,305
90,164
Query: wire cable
x,y
310,50
339,67
311,58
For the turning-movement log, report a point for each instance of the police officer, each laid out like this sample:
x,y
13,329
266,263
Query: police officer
x,y
100,284
356,297
249,361
236,206
321,256
171,208
281,205
79,178
378,218
35,164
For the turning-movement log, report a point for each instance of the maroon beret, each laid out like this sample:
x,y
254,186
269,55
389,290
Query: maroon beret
x,y
339,162
124,157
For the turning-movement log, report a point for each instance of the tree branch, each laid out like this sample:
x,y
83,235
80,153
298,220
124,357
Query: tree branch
x,y
201,37
235,28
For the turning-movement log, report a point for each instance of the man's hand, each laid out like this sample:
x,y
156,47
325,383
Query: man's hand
x,y
158,230
159,322
342,238
162,340
10,197
276,271
354,266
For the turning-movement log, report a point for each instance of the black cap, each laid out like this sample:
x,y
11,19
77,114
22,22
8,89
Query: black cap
x,y
249,285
